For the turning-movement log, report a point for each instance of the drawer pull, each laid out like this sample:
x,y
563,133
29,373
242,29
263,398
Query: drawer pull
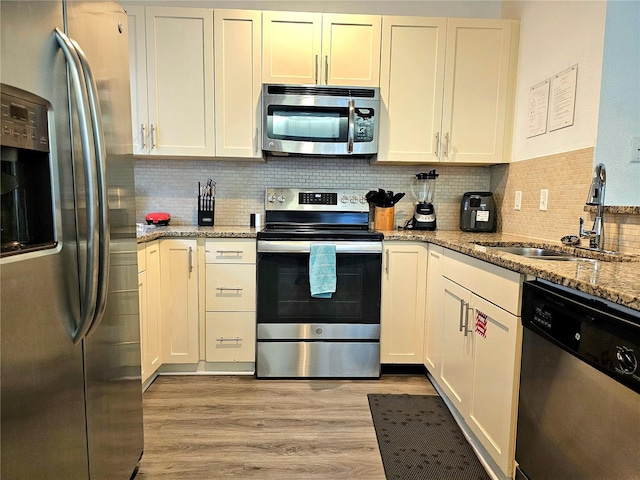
x,y
235,289
231,339
235,252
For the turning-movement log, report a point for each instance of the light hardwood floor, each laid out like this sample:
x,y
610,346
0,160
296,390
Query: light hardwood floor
x,y
210,427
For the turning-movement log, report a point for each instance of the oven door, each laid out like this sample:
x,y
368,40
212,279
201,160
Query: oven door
x,y
302,336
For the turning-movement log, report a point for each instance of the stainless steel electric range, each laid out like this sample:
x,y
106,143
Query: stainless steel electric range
x,y
300,336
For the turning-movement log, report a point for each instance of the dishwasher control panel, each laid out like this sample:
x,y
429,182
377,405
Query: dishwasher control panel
x,y
597,333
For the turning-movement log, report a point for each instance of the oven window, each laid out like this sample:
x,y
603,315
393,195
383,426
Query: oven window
x,y
308,124
284,293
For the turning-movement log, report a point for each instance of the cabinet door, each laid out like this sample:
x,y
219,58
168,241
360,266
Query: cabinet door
x,y
291,43
180,81
477,90
456,348
403,303
142,301
138,79
411,81
231,337
494,380
238,83
435,310
154,338
179,290
351,50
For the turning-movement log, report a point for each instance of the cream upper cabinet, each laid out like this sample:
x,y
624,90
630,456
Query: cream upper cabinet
x,y
238,63
404,279
411,83
479,90
179,307
326,49
171,61
447,90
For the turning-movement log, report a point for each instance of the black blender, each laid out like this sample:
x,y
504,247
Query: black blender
x,y
422,189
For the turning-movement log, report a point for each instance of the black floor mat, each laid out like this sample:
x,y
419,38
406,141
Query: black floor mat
x,y
419,439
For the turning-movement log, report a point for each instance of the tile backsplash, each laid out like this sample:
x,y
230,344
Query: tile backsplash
x,y
567,176
171,185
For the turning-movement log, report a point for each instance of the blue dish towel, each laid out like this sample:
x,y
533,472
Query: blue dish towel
x,y
322,270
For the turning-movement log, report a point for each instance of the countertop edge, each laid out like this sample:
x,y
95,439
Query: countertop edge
x,y
607,280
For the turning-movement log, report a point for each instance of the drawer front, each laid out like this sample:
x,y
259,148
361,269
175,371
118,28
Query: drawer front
x,y
491,282
230,337
231,251
231,287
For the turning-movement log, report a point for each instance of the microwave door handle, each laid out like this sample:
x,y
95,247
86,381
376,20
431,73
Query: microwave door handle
x,y
90,292
100,167
352,126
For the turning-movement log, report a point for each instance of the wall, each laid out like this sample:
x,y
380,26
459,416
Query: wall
x,y
619,118
171,185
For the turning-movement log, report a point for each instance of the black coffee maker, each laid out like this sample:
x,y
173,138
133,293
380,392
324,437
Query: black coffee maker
x,y
422,189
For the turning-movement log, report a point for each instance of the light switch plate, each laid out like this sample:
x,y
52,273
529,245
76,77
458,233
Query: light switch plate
x,y
518,203
544,199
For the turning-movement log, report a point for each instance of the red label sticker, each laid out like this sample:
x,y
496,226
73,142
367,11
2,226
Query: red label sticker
x,y
481,324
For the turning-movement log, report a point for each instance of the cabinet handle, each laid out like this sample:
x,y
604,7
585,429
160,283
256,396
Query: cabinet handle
x,y
466,321
386,253
316,69
235,289
153,137
446,144
462,305
437,145
230,339
143,130
190,259
326,69
235,252
255,143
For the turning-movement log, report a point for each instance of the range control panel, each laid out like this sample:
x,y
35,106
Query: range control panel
x,y
286,199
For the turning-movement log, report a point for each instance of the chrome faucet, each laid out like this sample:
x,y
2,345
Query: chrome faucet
x,y
596,197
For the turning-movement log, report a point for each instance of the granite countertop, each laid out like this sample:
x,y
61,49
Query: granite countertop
x,y
617,281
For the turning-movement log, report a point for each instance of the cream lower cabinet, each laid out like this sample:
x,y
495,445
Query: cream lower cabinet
x,y
230,300
434,309
316,48
179,300
403,302
149,296
479,352
447,89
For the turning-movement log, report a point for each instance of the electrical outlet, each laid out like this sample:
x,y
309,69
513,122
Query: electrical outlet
x,y
518,203
544,199
635,149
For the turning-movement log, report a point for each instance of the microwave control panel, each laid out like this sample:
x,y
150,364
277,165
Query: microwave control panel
x,y
364,124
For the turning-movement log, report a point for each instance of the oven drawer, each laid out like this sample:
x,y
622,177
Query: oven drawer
x,y
231,287
318,359
230,251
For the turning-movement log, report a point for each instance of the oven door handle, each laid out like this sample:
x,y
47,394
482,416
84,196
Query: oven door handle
x,y
305,246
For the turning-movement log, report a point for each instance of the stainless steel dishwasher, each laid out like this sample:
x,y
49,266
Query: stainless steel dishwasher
x,y
579,409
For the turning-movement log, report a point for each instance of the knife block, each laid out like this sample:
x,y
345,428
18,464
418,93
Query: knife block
x,y
383,218
206,211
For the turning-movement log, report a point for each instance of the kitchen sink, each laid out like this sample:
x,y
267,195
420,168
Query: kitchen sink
x,y
543,252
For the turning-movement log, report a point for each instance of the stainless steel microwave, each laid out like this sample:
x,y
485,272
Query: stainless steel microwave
x,y
320,119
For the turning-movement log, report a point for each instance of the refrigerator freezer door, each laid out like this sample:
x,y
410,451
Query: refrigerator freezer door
x,y
42,388
112,348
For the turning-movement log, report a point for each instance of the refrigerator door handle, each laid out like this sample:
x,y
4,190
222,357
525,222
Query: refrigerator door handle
x,y
90,292
103,194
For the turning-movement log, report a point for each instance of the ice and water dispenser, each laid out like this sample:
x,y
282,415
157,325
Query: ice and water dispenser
x,y
27,215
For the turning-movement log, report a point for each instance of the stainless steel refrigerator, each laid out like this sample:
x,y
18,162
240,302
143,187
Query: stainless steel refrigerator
x,y
71,399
